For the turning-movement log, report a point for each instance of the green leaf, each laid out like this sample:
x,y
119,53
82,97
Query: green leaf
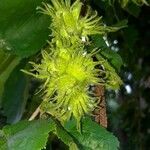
x,y
97,41
14,103
93,136
112,80
2,140
131,39
121,24
7,63
65,137
23,31
113,57
26,135
133,9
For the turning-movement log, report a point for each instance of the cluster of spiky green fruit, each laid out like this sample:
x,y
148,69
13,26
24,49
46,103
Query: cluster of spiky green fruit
x,y
66,69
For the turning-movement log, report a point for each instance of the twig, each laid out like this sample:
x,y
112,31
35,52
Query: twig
x,y
36,112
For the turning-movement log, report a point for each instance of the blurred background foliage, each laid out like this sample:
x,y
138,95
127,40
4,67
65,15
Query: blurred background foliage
x,y
128,108
22,37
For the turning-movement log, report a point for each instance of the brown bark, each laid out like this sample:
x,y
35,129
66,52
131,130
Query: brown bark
x,y
100,113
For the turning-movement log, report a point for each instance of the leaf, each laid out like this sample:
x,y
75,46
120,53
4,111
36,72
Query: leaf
x,y
23,31
133,9
97,41
93,136
7,63
2,140
65,137
112,80
113,57
131,39
14,103
26,135
121,24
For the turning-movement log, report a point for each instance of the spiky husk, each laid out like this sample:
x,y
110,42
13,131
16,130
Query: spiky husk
x,y
67,22
66,69
66,78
